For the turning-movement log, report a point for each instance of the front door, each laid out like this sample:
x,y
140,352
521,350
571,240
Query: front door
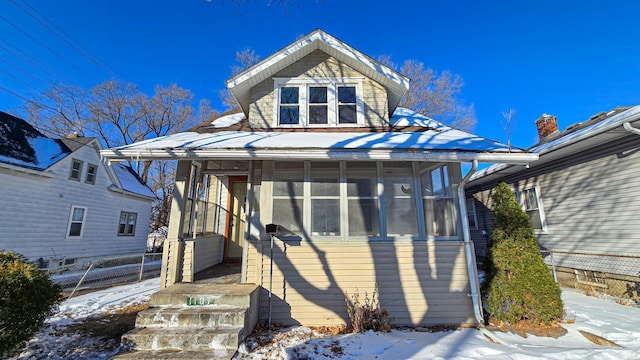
x,y
236,221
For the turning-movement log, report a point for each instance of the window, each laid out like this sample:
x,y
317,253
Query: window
x,y
127,223
400,203
347,105
530,202
288,195
76,221
318,105
289,105
91,174
363,200
325,198
472,219
76,170
318,102
438,201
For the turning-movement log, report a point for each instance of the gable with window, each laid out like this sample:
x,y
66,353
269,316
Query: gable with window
x,y
303,102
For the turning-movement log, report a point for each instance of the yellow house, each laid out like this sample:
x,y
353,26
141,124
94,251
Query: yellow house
x,y
364,194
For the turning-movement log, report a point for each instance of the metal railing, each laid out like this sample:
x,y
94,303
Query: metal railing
x,y
111,271
609,274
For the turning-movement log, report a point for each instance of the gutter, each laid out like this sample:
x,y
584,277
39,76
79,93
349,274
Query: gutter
x,y
323,154
627,126
468,247
130,193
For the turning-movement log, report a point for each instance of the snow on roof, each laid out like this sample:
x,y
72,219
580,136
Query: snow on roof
x,y
46,153
130,181
228,120
572,137
432,135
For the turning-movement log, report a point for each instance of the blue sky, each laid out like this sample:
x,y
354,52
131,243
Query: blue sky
x,y
571,59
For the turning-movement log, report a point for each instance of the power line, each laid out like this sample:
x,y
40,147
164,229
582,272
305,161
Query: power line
x,y
42,66
46,47
23,71
75,44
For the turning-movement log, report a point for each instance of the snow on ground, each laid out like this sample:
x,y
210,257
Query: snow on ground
x,y
53,343
617,323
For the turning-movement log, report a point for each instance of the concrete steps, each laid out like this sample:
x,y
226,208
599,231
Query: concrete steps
x,y
193,321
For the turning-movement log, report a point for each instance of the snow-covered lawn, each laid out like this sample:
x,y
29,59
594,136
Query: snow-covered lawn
x,y
617,323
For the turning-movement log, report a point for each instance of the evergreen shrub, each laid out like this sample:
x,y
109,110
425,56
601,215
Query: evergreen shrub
x,y
520,286
27,297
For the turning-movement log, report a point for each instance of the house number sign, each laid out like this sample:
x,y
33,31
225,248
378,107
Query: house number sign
x,y
200,300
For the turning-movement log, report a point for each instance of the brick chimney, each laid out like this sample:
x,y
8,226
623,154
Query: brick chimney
x,y
547,125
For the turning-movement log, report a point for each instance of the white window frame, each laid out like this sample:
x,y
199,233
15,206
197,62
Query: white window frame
x,y
471,212
135,223
520,198
83,222
332,85
95,174
79,170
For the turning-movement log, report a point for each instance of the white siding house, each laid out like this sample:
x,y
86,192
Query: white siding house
x,y
60,205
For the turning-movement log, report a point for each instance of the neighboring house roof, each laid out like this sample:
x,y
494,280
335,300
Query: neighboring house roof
x,y
599,129
241,84
410,136
130,181
24,146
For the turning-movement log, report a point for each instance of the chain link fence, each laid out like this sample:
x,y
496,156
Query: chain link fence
x,y
110,271
614,275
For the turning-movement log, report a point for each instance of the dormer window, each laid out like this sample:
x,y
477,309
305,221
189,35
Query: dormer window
x,y
318,102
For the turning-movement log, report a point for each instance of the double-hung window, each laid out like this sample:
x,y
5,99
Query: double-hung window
x,y
289,105
90,178
529,199
302,102
325,198
127,223
288,195
472,218
76,221
76,170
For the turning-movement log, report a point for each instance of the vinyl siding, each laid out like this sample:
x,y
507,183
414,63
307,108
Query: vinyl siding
x,y
318,64
419,283
591,200
35,210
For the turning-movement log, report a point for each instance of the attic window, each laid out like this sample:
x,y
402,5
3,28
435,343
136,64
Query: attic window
x,y
76,170
318,102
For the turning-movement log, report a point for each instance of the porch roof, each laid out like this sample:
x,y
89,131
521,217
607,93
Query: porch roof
x,y
411,137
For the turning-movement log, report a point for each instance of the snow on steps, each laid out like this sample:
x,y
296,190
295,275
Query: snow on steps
x,y
193,321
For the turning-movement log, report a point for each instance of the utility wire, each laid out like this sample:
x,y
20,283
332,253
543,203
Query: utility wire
x,y
46,47
42,66
22,71
75,44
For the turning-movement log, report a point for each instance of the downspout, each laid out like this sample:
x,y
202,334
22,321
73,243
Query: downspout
x,y
627,126
468,247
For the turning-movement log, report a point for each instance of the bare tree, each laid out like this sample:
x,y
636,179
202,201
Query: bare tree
x,y
118,114
435,94
245,58
61,111
508,125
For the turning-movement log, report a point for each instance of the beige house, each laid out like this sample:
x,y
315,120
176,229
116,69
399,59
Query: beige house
x,y
364,193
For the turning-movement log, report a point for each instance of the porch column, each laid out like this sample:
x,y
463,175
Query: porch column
x,y
174,247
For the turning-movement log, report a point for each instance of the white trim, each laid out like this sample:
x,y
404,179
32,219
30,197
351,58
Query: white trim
x,y
84,221
17,168
321,154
